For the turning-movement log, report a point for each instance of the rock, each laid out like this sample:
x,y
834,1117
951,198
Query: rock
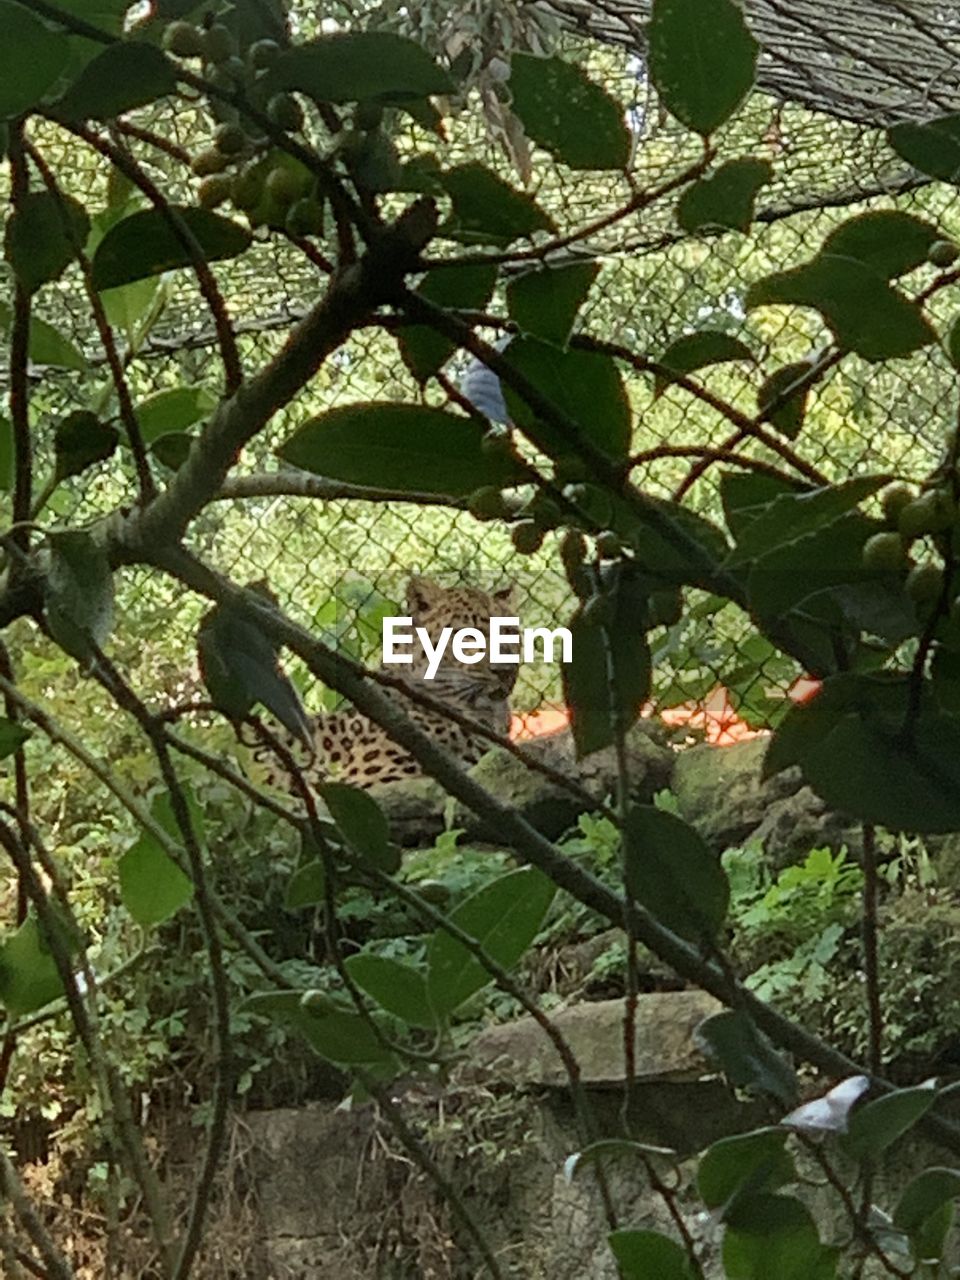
x,y
665,1050
720,792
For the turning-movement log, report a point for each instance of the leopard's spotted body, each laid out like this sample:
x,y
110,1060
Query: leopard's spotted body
x,y
349,747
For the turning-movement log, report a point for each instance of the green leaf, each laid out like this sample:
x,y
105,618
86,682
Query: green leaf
x,y
790,409
610,1148
933,148
306,886
29,977
144,244
864,313
743,1165
726,199
878,1124
545,302
43,236
81,440
648,1255
829,558
424,351
239,666
358,65
672,873
6,454
772,1235
702,60
46,346
924,1196
161,808
795,515
360,820
32,57
346,1039
745,494
584,386
397,987
153,888
78,593
172,449
566,113
504,917
125,75
172,411
888,240
486,210
12,737
849,744
696,350
616,647
746,1056
407,447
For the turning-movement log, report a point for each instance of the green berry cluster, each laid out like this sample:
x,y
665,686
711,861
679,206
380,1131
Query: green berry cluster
x,y
910,518
238,165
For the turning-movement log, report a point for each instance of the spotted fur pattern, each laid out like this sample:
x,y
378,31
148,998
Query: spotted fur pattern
x,y
350,748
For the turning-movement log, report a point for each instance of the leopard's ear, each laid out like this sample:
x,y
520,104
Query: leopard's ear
x,y
503,599
422,594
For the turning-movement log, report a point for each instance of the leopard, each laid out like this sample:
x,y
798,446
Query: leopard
x,y
349,747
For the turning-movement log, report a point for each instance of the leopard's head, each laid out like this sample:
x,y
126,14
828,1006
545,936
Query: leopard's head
x,y
433,607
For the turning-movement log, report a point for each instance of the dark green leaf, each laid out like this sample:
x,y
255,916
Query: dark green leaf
x,y
746,1056
240,668
878,1124
566,113
743,1165
829,558
771,1235
172,411
29,977
928,1192
43,236
745,494
152,886
399,446
610,667
12,737
344,1038
545,302
357,65
663,547
424,350
795,515
486,210
360,820
726,199
80,440
648,1255
46,345
173,449
953,344
582,385
849,744
125,75
785,411
864,312
933,148
32,57
672,873
504,917
888,240
145,244
306,886
696,350
78,593
702,60
397,987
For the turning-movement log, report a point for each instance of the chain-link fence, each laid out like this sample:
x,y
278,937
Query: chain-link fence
x,y
336,560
